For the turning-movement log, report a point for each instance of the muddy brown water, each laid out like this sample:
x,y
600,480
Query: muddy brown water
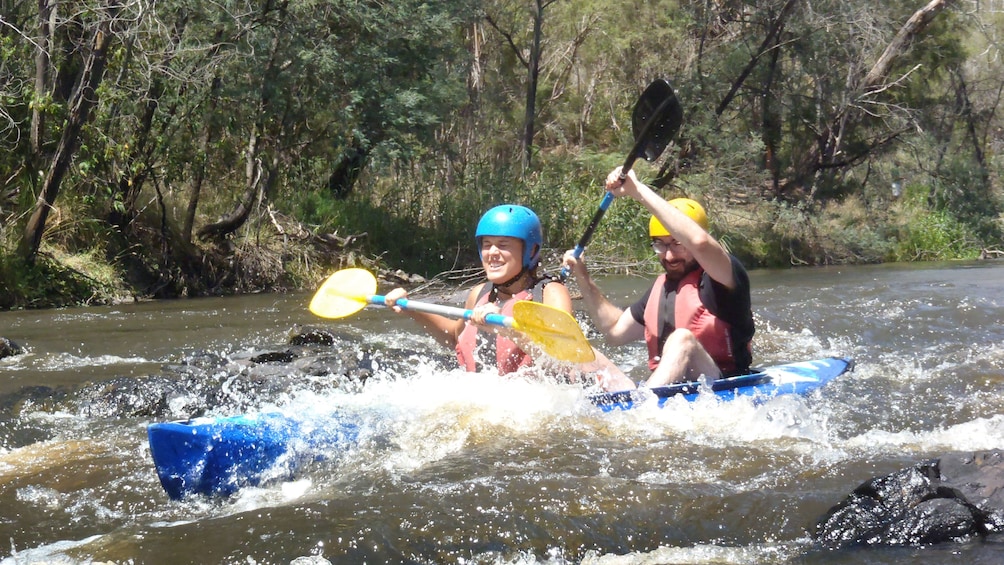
x,y
464,468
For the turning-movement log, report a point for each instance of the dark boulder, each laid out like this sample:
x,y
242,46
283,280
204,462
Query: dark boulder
x,y
9,348
954,498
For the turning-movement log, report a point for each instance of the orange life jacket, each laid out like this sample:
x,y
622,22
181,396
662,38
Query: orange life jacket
x,y
508,356
687,312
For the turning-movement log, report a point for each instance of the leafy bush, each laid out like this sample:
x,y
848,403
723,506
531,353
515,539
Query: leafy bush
x,y
934,236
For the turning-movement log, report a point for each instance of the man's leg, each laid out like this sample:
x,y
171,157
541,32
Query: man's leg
x,y
683,359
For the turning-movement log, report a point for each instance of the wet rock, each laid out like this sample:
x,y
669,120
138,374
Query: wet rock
x,y
345,363
954,498
129,396
243,381
197,363
311,336
274,357
9,348
16,431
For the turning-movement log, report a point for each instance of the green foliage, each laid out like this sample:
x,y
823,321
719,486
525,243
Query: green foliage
x,y
935,236
431,231
962,190
779,234
427,247
42,284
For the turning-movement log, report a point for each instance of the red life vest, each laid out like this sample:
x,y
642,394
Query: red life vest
x,y
688,312
509,357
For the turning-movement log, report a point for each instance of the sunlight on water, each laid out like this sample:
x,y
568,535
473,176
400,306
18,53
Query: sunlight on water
x,y
65,361
697,555
975,435
54,553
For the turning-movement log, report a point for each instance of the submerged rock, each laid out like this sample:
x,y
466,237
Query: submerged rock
x,y
203,382
954,498
9,348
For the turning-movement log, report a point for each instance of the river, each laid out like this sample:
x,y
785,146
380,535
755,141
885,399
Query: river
x,y
480,469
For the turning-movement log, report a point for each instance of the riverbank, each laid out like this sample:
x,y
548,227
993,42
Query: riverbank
x,y
288,256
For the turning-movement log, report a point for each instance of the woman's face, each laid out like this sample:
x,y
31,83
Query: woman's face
x,y
501,257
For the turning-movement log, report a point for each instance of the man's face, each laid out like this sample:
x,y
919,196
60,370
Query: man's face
x,y
674,257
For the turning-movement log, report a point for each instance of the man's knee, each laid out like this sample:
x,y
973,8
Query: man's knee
x,y
680,340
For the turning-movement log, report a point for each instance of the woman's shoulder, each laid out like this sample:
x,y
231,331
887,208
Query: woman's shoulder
x,y
556,293
475,294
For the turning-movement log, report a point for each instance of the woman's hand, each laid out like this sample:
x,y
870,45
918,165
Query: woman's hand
x,y
480,313
391,298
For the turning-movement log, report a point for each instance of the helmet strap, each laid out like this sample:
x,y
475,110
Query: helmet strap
x,y
512,280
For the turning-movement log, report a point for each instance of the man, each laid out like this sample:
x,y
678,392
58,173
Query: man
x,y
696,319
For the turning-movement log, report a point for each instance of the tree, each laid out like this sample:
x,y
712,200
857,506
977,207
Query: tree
x,y
809,81
531,62
833,149
84,98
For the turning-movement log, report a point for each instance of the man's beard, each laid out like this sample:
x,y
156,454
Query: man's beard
x,y
674,274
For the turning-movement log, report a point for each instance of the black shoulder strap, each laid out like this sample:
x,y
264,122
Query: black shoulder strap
x,y
667,312
536,291
538,287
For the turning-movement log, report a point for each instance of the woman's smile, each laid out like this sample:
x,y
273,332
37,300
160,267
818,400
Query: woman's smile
x,y
501,257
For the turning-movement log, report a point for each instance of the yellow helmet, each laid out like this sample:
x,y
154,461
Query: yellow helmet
x,y
691,208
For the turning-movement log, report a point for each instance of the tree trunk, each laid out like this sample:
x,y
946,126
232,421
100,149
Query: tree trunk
x,y
83,100
137,166
236,218
139,163
772,133
769,44
917,23
252,167
965,109
42,62
199,173
533,73
345,174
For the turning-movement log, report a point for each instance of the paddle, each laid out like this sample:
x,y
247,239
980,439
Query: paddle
x,y
555,331
655,121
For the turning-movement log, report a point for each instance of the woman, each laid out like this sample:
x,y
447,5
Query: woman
x,y
509,243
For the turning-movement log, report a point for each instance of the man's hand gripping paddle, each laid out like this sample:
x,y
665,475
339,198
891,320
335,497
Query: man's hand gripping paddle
x,y
655,121
555,331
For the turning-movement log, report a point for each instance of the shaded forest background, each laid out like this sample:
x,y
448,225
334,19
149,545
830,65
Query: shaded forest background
x,y
181,147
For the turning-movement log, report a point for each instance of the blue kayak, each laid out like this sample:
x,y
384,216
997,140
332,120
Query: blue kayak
x,y
791,378
218,456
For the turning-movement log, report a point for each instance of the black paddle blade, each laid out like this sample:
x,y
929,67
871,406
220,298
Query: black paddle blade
x,y
656,119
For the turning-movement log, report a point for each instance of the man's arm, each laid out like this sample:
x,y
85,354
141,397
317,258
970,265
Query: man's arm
x,y
617,326
708,252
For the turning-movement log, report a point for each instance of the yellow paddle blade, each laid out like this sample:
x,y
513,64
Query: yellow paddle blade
x,y
554,330
344,293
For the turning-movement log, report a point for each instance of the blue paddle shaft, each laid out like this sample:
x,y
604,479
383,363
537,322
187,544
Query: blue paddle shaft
x,y
608,199
441,310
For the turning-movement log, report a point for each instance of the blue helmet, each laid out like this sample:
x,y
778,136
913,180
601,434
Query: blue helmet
x,y
513,221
